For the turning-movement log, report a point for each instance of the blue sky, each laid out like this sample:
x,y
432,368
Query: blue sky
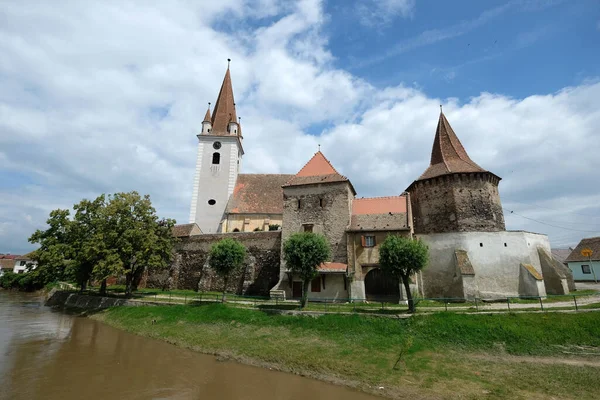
x,y
105,98
462,48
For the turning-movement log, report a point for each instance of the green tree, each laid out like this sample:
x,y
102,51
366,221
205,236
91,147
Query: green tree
x,y
401,257
108,236
303,252
135,239
87,234
55,252
226,256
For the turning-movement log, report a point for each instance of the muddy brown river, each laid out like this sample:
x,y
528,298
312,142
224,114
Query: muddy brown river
x,y
45,354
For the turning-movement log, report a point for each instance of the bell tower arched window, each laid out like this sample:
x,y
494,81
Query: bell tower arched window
x,y
216,158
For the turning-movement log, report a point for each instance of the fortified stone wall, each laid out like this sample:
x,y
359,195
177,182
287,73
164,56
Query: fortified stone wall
x,y
457,203
190,269
495,257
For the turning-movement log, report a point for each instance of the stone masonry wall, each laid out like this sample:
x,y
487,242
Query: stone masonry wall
x,y
457,203
190,269
326,206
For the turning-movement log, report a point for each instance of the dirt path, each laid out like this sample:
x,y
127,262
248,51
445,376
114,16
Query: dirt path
x,y
593,361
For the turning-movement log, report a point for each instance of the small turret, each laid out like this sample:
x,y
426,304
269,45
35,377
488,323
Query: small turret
x,y
207,124
232,126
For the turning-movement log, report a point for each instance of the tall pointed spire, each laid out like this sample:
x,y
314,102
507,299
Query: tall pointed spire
x,y
448,155
224,111
207,115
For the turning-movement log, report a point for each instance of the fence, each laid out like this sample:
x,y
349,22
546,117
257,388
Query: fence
x,y
573,302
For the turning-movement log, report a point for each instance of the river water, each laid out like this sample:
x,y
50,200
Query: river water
x,y
45,354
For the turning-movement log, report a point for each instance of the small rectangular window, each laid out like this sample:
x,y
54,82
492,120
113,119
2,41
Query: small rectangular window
x,y
586,269
315,285
307,227
299,204
368,241
22,263
321,203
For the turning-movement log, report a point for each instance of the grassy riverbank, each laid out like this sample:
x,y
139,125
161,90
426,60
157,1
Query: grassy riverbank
x,y
445,355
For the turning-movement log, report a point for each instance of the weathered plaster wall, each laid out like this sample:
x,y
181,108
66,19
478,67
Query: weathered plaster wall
x,y
249,222
531,283
359,256
457,203
558,279
495,257
332,289
190,269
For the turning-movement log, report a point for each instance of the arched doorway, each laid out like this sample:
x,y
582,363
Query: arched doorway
x,y
380,286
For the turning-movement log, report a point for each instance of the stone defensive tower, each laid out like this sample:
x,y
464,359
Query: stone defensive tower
x,y
319,199
455,194
218,163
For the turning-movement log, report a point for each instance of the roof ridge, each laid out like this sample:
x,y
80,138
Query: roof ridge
x,y
257,173
442,120
328,162
379,197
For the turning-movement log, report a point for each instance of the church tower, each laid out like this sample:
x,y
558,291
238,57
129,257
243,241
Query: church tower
x,y
218,162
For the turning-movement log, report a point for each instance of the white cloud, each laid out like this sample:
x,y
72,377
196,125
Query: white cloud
x,y
109,98
379,13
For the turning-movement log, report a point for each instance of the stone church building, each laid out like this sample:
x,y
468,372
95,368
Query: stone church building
x,y
454,207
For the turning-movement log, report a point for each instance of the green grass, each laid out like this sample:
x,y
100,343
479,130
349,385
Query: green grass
x,y
450,354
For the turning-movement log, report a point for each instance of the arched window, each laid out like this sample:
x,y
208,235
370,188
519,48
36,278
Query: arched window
x,y
216,158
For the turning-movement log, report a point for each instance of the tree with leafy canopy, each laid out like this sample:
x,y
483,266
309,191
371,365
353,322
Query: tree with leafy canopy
x,y
226,256
402,257
135,238
108,236
89,249
303,252
55,252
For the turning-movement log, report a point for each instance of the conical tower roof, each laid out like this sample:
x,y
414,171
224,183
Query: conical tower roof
x,y
207,115
448,156
224,111
317,170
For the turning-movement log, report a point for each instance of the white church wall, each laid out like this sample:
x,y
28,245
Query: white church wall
x,y
215,182
495,256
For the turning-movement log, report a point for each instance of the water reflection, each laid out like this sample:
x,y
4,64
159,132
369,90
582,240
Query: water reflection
x,y
50,355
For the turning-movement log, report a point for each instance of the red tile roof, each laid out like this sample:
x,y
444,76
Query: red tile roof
x,y
592,243
317,170
379,205
7,263
318,165
184,230
258,194
448,155
332,267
